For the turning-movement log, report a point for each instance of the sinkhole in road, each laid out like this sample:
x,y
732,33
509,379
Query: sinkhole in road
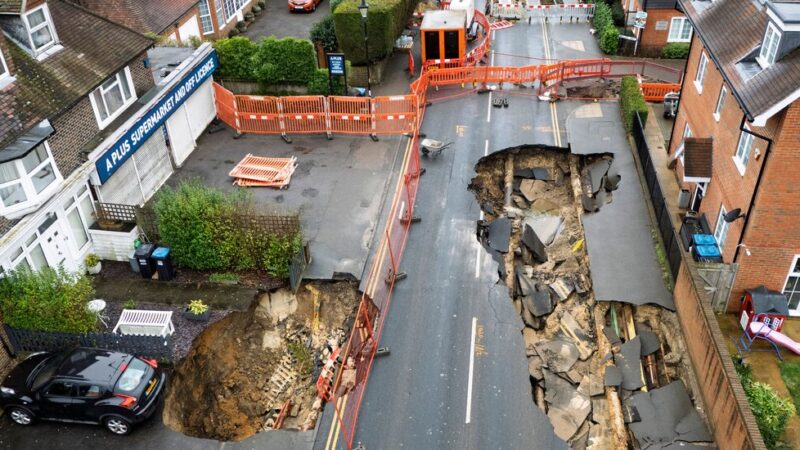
x,y
243,370
533,198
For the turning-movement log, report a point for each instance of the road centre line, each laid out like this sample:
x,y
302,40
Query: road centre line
x,y
489,109
471,369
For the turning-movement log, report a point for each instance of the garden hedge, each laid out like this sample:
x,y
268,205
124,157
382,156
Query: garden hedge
x,y
47,300
207,229
385,21
607,33
270,61
675,50
319,85
631,102
772,412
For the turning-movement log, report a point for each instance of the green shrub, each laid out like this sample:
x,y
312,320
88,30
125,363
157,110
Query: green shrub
x,y
235,55
205,230
279,253
324,32
771,412
287,60
385,21
602,17
675,50
319,85
334,4
47,300
607,33
631,102
609,40
129,304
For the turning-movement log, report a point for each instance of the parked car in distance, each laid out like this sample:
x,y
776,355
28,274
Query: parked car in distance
x,y
83,385
303,5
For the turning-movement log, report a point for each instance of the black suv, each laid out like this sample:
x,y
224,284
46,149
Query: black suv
x,y
84,385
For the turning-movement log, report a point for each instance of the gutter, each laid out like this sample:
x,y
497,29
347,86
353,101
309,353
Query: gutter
x,y
755,189
683,85
748,114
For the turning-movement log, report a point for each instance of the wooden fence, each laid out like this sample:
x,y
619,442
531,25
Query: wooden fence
x,y
156,347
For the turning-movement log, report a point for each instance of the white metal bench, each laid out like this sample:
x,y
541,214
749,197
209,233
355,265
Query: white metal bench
x,y
145,323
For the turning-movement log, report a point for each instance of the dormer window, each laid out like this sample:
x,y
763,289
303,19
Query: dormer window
x,y
5,75
113,97
40,28
769,48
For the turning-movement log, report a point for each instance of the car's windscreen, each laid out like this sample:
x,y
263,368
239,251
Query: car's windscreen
x,y
132,377
46,371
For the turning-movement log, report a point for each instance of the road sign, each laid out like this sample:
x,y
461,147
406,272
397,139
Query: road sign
x,y
640,20
336,63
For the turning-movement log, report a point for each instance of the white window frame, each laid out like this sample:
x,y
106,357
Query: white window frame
x,y
723,92
205,12
48,23
126,75
74,203
700,75
218,7
33,199
743,150
233,8
23,252
5,77
796,288
678,24
769,46
687,132
721,228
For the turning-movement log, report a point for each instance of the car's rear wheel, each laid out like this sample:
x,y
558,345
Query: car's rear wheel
x,y
117,425
20,416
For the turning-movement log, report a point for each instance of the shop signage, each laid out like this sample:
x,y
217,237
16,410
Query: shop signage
x,y
336,63
155,117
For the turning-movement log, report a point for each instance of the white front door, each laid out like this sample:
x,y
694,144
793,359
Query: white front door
x,y
54,244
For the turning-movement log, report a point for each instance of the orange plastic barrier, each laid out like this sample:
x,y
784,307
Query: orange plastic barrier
x,y
258,114
350,115
225,103
655,92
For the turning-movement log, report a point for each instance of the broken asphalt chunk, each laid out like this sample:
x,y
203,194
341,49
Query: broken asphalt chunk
x,y
611,335
536,173
572,329
558,356
650,342
546,227
568,408
532,189
533,243
628,361
666,417
597,172
562,287
499,234
612,377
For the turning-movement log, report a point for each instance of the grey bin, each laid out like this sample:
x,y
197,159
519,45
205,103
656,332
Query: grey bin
x,y
146,265
683,198
132,262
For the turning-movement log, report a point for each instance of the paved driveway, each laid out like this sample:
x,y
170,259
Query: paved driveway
x,y
276,20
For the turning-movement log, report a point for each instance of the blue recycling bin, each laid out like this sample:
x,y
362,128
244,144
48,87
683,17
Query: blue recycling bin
x,y
163,262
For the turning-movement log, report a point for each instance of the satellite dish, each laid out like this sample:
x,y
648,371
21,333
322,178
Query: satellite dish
x,y
732,215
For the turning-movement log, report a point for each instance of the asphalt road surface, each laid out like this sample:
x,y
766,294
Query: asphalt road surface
x,y
457,374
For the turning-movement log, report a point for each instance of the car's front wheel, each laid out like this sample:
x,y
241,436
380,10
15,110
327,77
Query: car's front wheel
x,y
20,416
117,425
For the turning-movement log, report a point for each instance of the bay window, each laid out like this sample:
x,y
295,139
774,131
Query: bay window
x,y
24,182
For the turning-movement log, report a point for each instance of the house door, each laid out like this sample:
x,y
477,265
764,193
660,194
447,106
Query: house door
x,y
54,244
699,193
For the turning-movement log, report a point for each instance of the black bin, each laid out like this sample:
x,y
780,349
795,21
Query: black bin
x,y
146,265
163,261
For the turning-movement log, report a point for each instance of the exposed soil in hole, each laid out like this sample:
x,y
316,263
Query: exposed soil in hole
x,y
243,369
598,88
541,190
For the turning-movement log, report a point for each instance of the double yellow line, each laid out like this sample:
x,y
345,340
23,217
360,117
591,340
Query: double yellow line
x,y
553,108
372,282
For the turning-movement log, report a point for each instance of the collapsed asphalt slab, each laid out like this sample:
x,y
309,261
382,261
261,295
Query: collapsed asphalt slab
x,y
618,235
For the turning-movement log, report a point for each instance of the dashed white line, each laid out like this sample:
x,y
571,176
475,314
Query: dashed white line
x,y
471,367
489,109
486,151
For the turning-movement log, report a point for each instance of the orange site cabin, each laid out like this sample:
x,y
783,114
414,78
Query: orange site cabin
x,y
443,35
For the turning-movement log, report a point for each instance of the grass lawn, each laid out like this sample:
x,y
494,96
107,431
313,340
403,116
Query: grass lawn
x,y
790,372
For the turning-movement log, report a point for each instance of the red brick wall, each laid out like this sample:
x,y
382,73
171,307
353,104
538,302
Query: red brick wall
x,y
653,40
777,235
191,15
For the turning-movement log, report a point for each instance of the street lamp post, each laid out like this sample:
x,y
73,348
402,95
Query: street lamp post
x,y
363,8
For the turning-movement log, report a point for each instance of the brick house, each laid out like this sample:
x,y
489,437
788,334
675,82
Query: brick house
x,y
175,20
65,96
665,24
740,96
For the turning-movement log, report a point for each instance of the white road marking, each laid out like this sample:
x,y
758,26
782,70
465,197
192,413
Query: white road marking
x,y
489,109
471,367
486,151
478,258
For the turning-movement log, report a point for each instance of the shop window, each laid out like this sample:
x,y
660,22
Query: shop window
x,y
680,30
113,97
40,28
26,182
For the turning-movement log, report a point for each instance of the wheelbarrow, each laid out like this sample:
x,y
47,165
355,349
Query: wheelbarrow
x,y
433,148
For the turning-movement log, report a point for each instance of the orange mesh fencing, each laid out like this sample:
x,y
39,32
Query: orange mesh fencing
x,y
655,92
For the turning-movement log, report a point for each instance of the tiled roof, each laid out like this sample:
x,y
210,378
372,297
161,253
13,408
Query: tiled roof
x,y
10,6
732,30
697,157
141,15
94,49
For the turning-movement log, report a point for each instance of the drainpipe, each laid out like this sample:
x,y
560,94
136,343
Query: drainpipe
x,y
755,189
